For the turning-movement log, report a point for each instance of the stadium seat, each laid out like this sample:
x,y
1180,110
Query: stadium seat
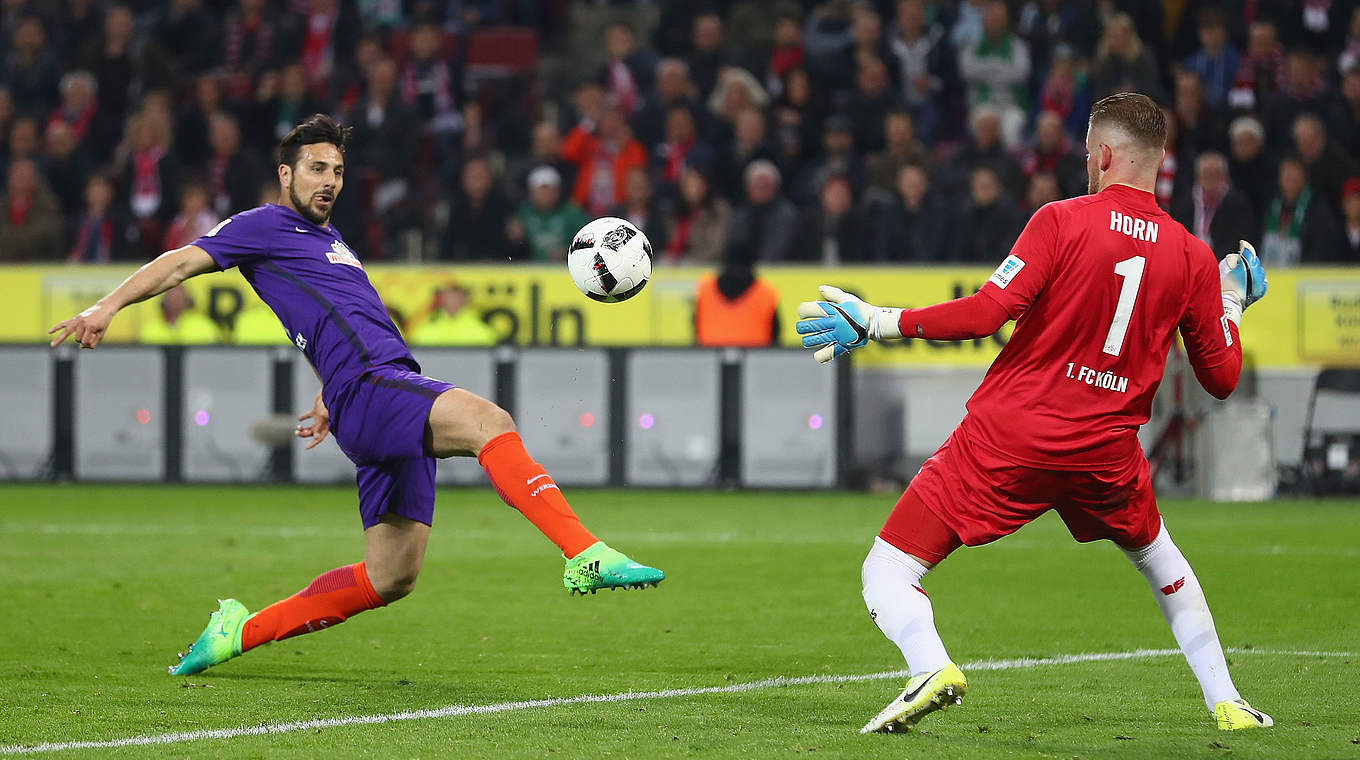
x,y
1331,449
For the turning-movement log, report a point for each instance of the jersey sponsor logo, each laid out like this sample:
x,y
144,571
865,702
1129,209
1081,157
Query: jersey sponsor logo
x,y
300,341
1138,229
1007,271
341,254
1172,588
213,232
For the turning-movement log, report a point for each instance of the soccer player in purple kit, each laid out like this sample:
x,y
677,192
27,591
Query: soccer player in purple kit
x,y
390,420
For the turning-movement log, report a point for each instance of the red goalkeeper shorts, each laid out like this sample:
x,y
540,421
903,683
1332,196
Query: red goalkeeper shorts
x,y
966,494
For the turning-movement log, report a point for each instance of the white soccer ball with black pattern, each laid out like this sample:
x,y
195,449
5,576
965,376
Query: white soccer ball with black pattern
x,y
610,259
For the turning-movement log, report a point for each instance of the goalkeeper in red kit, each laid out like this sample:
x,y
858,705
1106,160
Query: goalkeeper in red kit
x,y
1098,286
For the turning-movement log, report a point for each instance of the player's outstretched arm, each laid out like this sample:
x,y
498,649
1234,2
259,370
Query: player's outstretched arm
x,y
155,277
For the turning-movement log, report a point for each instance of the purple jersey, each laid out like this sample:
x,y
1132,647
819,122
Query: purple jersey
x,y
316,286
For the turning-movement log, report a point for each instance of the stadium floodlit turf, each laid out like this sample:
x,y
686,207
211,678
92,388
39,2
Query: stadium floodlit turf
x,y
103,584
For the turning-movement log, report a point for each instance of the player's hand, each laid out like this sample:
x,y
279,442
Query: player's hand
x,y
320,425
1243,280
842,323
87,328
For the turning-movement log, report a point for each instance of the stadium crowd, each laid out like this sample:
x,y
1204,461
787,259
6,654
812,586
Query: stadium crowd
x,y
740,131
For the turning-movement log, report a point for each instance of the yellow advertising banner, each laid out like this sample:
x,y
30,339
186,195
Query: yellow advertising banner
x,y
1311,316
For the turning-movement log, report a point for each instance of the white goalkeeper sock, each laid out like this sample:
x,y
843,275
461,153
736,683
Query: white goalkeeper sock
x,y
900,608
1183,605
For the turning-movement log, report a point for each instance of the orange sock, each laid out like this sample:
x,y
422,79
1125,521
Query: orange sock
x,y
526,486
328,600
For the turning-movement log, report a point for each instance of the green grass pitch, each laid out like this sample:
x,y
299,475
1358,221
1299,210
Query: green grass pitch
x,y
103,584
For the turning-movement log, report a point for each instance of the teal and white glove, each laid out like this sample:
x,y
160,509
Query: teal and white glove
x,y
1244,281
842,323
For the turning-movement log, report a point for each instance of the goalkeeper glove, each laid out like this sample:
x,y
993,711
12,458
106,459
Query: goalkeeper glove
x,y
842,323
1243,279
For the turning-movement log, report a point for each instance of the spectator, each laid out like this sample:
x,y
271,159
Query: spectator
x,y
627,67
150,175
1053,25
870,102
25,142
762,228
78,25
193,120
6,119
1217,60
640,207
1199,127
833,231
736,91
179,323
1122,63
100,231
838,157
901,148
384,127
1249,165
996,71
1299,223
1328,165
189,34
603,155
735,308
78,104
983,148
30,68
546,221
248,43
914,227
673,88
1171,181
699,227
1350,207
967,28
326,28
545,149
478,217
1041,190
194,220
1350,51
1304,92
453,321
986,228
681,147
1348,132
30,217
748,144
798,120
65,166
1065,94
433,86
925,65
749,21
786,50
1052,154
233,174
111,60
1214,211
706,57
282,101
1261,72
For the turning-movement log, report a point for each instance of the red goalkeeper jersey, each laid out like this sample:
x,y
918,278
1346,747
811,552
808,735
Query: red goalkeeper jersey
x,y
1099,284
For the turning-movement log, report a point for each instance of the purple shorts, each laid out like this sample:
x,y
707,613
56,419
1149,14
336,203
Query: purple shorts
x,y
378,420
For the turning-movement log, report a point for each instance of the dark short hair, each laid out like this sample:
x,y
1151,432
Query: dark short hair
x,y
1136,114
319,128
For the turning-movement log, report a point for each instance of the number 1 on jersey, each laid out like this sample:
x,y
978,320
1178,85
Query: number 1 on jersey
x,y
1132,272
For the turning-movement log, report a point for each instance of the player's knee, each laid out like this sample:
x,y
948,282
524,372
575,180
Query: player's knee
x,y
497,422
395,587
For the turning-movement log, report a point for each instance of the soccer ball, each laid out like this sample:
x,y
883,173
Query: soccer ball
x,y
610,260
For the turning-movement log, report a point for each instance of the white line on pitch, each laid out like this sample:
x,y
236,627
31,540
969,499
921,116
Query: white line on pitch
x,y
460,710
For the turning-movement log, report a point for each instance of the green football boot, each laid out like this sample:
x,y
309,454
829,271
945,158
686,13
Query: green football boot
x,y
219,642
601,567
